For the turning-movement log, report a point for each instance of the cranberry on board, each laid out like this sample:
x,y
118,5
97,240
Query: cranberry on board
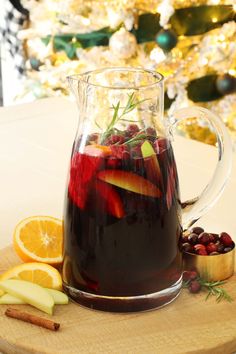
x,y
194,286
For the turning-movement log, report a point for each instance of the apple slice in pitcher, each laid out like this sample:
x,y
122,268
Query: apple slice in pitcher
x,y
108,199
170,186
129,181
83,171
151,163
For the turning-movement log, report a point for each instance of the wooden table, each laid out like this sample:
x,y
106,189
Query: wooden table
x,y
35,146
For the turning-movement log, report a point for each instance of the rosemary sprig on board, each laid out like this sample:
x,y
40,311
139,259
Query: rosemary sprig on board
x,y
213,288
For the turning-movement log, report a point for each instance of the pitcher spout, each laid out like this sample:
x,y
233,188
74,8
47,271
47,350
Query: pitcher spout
x,y
74,84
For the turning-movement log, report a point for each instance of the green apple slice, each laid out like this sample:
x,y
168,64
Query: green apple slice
x,y
151,163
129,181
32,294
58,296
8,299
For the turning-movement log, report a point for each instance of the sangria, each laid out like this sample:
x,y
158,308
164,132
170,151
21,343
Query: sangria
x,y
122,217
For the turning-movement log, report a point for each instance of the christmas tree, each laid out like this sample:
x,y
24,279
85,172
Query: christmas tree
x,y
191,42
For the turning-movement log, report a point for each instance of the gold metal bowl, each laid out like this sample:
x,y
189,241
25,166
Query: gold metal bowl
x,y
211,268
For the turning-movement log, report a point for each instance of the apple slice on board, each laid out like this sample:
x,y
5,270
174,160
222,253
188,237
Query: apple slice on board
x,y
32,294
8,299
151,163
129,181
59,298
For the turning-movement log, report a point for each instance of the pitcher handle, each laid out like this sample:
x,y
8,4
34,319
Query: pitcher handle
x,y
193,209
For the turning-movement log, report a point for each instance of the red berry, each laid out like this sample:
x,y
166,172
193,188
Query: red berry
x,y
115,139
184,238
204,238
194,286
197,230
193,239
220,247
151,131
132,129
200,249
189,275
211,247
199,246
202,252
186,247
213,253
213,237
226,239
120,151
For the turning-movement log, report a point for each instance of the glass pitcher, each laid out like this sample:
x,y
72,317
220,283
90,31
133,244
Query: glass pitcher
x,y
123,216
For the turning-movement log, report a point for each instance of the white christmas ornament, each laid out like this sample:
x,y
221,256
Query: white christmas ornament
x,y
123,44
166,10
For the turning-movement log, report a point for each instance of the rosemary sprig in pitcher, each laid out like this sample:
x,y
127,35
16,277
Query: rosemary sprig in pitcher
x,y
118,116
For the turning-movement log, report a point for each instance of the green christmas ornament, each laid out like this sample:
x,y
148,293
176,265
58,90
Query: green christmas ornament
x,y
226,84
35,63
166,39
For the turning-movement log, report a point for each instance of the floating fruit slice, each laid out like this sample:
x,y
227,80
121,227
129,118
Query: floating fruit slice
x,y
97,150
38,273
31,293
83,168
151,163
170,186
129,181
110,199
39,239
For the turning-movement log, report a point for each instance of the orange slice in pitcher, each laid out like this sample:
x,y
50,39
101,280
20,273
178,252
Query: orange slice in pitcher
x,y
39,239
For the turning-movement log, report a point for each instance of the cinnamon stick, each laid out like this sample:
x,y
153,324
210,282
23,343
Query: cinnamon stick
x,y
35,320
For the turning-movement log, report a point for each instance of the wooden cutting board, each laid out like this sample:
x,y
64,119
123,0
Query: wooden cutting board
x,y
188,325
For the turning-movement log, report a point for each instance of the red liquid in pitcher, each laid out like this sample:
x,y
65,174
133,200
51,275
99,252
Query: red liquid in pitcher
x,y
122,219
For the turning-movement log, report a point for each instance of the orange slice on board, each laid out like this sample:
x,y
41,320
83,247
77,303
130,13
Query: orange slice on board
x,y
39,239
38,273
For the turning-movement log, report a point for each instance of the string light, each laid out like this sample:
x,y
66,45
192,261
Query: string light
x,y
232,72
215,2
221,38
214,19
85,21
